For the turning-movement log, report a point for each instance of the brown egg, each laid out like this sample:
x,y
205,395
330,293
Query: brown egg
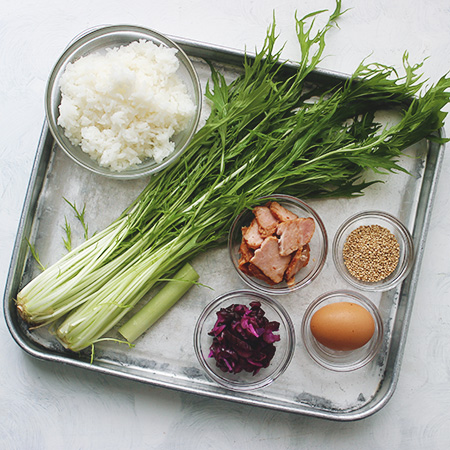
x,y
342,326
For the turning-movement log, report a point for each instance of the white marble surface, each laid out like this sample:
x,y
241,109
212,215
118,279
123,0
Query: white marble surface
x,y
49,406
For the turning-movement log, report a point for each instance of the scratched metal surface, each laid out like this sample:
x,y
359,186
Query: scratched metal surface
x,y
115,413
164,355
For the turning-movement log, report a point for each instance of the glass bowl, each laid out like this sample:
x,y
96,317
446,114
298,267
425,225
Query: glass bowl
x,y
245,381
338,360
378,279
318,246
97,40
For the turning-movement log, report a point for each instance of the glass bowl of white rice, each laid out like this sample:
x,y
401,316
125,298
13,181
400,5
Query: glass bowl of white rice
x,y
123,101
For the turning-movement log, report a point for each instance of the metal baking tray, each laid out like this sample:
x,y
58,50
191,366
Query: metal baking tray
x,y
164,356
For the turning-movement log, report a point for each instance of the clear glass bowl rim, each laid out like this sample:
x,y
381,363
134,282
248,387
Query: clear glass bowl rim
x,y
83,39
229,297
274,290
350,296
408,257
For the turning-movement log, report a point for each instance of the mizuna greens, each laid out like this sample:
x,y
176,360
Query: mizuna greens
x,y
266,134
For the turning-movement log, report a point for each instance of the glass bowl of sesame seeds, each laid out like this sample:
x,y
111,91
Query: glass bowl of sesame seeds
x,y
373,251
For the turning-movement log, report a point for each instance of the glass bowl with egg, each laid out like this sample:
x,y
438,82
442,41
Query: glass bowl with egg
x,y
244,340
342,330
373,251
123,101
278,246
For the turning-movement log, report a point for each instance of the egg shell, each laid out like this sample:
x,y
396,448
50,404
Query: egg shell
x,y
342,326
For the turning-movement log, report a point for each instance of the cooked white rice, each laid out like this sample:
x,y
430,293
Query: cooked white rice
x,y
124,106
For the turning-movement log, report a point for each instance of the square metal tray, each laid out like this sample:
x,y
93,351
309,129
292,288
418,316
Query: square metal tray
x,y
164,356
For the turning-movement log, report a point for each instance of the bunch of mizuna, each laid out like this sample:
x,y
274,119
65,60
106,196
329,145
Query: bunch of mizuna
x,y
266,134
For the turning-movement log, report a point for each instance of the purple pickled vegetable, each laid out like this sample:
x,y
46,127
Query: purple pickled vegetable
x,y
243,339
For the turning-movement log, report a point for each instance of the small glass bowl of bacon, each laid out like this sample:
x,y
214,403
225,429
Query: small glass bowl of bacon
x,y
278,246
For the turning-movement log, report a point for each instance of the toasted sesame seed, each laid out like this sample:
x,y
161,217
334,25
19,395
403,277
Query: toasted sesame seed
x,y
371,253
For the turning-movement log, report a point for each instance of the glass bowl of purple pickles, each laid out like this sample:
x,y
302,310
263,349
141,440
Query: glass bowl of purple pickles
x,y
278,246
244,340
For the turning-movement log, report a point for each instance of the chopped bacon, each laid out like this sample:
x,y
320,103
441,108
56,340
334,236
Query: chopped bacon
x,y
266,221
244,267
281,213
257,273
251,235
245,251
275,246
294,234
298,261
268,259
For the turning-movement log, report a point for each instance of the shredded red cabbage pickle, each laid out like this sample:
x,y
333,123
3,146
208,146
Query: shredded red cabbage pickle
x,y
243,339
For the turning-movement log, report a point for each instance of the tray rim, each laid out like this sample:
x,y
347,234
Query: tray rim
x,y
217,53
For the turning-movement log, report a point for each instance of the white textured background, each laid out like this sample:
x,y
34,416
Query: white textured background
x,y
48,406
